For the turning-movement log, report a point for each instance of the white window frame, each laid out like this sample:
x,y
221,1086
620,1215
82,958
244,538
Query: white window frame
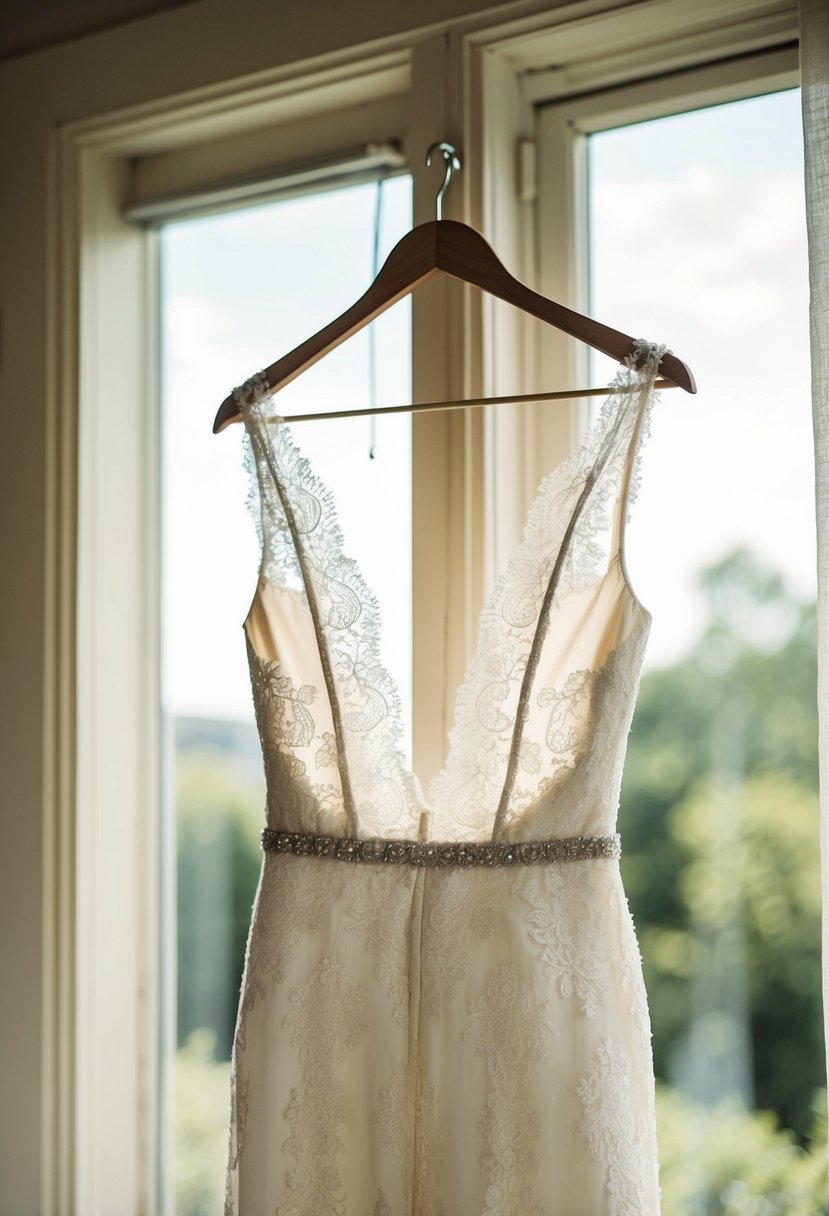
x,y
472,80
563,125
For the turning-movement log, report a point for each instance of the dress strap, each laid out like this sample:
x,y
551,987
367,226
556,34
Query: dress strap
x,y
591,485
250,397
337,665
650,356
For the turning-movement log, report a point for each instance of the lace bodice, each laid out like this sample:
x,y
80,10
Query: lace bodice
x,y
542,717
459,1025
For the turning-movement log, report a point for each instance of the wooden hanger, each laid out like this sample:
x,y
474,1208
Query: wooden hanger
x,y
449,247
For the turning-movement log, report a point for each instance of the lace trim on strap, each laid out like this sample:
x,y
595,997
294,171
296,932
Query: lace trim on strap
x,y
250,395
435,853
303,547
565,550
278,558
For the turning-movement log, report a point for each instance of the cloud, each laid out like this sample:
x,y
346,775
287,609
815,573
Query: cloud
x,y
728,245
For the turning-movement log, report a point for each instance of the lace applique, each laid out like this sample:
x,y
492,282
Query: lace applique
x,y
286,725
326,754
460,912
560,735
303,547
568,923
509,1029
379,914
279,564
613,1124
565,545
401,1113
325,1020
239,1103
291,902
583,794
395,1121
568,737
565,550
633,982
291,721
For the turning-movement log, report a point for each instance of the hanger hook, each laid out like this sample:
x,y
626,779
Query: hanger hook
x,y
451,162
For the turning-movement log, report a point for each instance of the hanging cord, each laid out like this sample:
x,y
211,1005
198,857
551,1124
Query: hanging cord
x,y
372,348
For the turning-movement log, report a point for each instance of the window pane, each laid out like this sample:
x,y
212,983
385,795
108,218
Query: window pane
x,y
698,238
239,290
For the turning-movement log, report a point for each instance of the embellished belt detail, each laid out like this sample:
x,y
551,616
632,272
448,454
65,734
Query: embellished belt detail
x,y
433,853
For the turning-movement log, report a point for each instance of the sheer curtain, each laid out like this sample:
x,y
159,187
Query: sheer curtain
x,y
814,75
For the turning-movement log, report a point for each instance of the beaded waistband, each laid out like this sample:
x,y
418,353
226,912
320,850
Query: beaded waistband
x,y
433,853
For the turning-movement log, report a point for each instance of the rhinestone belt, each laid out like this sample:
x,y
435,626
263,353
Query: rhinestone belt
x,y
432,853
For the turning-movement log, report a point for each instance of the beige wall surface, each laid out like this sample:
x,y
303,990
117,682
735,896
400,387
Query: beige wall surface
x,y
27,27
191,47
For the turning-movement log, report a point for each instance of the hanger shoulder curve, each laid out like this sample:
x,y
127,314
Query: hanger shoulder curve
x,y
458,250
466,255
411,262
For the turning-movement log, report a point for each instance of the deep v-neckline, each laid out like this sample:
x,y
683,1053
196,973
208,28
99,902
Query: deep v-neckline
x,y
308,505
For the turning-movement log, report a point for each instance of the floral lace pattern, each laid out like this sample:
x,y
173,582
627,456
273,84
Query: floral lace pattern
x,y
285,718
239,1103
289,905
584,795
378,914
460,915
326,1019
508,1028
569,924
613,1123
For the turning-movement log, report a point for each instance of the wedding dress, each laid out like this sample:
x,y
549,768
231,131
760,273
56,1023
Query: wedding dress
x,y
442,1010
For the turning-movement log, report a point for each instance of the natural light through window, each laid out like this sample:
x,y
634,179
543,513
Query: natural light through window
x,y
698,239
238,291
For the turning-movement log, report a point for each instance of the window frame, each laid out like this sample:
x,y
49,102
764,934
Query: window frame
x,y
107,1122
563,125
477,82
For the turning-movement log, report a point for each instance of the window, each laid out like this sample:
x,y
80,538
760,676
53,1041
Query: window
x,y
696,234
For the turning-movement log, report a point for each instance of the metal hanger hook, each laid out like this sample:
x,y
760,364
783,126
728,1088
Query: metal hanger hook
x,y
451,162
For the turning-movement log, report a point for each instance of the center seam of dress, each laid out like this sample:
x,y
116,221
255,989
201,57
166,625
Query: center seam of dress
x,y
413,1065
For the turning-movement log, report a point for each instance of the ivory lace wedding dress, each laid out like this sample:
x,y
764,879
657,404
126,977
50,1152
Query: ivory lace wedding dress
x,y
442,1010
